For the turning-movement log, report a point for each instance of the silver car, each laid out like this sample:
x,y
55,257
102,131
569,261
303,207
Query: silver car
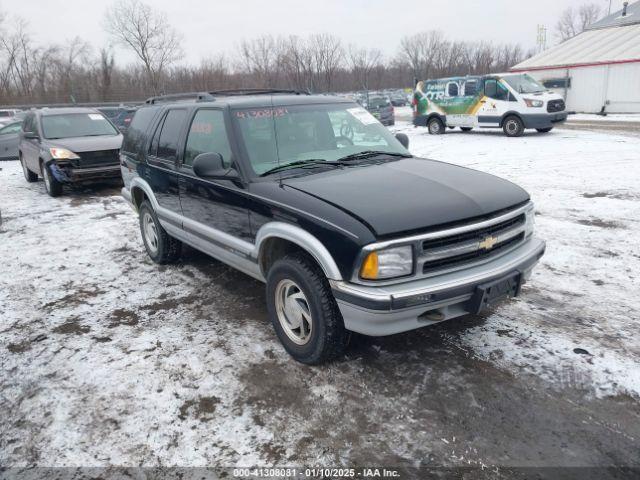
x,y
9,140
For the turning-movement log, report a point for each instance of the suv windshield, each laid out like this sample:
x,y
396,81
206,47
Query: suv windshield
x,y
283,135
524,84
69,125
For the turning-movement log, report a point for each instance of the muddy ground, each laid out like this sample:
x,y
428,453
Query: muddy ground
x,y
109,359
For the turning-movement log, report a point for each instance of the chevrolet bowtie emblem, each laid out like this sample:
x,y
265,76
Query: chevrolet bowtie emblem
x,y
487,243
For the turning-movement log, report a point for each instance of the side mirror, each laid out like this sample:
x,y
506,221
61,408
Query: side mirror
x,y
31,136
403,139
211,165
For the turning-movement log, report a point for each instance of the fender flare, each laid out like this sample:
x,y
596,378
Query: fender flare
x,y
303,239
138,182
509,114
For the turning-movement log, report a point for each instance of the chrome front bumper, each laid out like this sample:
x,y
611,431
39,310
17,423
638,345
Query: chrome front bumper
x,y
389,309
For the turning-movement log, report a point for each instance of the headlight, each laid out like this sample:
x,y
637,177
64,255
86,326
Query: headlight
x,y
530,223
533,103
62,154
387,263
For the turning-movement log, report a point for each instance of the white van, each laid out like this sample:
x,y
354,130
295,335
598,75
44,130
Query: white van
x,y
511,101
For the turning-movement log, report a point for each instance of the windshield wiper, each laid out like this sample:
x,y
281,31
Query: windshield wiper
x,y
371,153
300,164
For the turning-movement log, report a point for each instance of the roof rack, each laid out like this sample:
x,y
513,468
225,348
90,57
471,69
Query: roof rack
x,y
173,97
210,96
258,91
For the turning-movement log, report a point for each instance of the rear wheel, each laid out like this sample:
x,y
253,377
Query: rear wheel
x,y
161,247
303,311
466,129
51,184
544,130
513,126
436,126
29,176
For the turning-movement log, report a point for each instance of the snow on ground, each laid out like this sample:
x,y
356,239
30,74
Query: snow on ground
x,y
584,294
109,359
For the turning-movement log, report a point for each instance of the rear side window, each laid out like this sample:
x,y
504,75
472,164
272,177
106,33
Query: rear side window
x,y
135,139
167,136
207,134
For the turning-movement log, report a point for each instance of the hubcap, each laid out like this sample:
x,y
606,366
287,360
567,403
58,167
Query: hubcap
x,y
294,313
150,232
434,127
512,126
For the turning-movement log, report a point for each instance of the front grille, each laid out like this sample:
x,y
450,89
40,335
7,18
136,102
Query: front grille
x,y
454,250
474,234
458,260
555,106
100,158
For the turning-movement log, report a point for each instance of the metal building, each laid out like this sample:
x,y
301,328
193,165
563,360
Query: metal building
x,y
597,70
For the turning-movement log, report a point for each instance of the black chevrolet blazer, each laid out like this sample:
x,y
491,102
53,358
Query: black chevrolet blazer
x,y
313,196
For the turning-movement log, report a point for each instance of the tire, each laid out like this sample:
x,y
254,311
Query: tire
x,y
466,129
317,332
160,246
51,185
435,126
544,130
29,176
513,126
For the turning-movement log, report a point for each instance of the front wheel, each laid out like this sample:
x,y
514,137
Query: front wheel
x,y
303,311
436,126
513,126
544,130
51,184
161,247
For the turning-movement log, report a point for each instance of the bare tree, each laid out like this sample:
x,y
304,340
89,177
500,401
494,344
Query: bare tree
x,y
260,56
105,73
362,62
574,21
327,53
148,34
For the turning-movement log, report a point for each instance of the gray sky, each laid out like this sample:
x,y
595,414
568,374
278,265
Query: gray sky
x,y
216,26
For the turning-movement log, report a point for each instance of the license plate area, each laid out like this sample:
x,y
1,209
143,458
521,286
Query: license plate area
x,y
490,293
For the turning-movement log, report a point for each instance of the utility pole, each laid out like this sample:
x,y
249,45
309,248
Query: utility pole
x,y
541,40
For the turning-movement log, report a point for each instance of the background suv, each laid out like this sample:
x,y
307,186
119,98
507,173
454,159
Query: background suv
x,y
68,145
381,108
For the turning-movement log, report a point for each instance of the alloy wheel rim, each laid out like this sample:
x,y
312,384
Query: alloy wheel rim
x,y
294,312
435,127
512,126
150,232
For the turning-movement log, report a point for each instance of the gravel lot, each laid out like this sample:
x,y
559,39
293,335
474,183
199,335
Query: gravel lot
x,y
109,359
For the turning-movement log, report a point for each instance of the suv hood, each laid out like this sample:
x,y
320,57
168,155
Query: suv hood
x,y
411,194
88,144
